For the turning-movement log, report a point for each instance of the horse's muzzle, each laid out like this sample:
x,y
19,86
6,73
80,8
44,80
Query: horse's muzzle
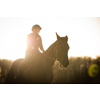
x,y
66,63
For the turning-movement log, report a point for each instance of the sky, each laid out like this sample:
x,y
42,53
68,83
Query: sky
x,y
83,34
79,20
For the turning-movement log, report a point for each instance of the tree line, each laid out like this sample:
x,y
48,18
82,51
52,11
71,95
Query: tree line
x,y
5,65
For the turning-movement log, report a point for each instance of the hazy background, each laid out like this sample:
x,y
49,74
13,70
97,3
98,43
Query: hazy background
x,y
83,34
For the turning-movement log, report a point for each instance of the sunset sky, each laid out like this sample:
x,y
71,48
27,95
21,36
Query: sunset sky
x,y
83,34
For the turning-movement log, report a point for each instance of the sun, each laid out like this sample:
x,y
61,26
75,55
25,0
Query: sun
x,y
19,48
14,47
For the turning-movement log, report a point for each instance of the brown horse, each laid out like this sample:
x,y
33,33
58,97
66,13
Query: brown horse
x,y
41,70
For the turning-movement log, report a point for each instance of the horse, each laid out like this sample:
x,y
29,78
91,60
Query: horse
x,y
41,69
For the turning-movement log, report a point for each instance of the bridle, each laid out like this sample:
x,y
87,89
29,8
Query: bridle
x,y
56,57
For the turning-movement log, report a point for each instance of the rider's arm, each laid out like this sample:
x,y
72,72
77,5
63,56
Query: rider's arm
x,y
40,44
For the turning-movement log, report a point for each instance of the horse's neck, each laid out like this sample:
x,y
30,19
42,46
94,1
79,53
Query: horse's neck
x,y
50,51
49,56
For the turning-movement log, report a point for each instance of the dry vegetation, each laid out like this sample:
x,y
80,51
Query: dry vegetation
x,y
75,73
4,68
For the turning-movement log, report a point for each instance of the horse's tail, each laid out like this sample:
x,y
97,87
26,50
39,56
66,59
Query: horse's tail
x,y
10,76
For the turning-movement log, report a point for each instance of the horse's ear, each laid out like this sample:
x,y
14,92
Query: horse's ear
x,y
58,37
66,38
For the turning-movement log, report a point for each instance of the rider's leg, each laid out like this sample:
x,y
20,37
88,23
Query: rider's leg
x,y
28,56
24,63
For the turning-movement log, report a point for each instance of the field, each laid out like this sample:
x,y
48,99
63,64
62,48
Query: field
x,y
75,73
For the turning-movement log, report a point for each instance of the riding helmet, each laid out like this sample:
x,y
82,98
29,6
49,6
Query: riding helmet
x,y
36,26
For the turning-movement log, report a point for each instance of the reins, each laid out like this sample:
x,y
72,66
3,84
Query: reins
x,y
51,59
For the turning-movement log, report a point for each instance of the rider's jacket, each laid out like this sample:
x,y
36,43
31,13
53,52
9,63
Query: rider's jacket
x,y
34,42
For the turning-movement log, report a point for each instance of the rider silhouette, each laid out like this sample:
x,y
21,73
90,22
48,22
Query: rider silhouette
x,y
34,42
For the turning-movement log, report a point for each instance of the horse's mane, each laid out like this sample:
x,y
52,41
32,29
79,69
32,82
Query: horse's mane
x,y
51,47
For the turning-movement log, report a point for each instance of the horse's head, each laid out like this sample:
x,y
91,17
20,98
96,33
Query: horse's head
x,y
61,50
